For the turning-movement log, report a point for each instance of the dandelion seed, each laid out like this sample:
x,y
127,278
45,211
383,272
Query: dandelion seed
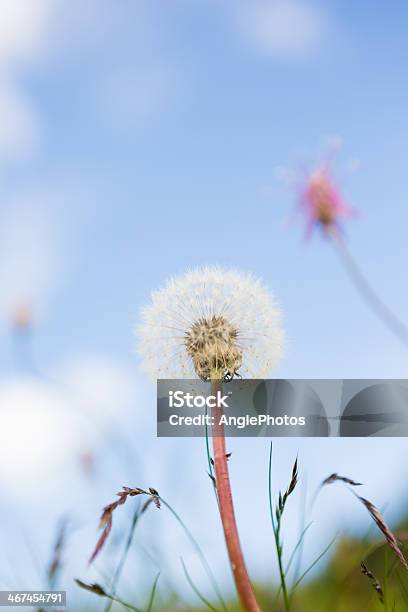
x,y
213,323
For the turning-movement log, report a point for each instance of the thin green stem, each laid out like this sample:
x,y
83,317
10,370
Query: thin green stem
x,y
123,603
279,551
303,529
210,465
315,562
403,588
276,531
122,560
270,488
153,593
200,553
196,591
297,546
386,579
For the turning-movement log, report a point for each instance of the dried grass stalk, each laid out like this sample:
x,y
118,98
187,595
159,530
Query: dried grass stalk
x,y
375,515
335,478
283,498
374,581
106,519
56,560
386,531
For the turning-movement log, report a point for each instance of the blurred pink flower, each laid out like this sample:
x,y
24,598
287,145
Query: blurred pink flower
x,y
322,202
21,316
87,461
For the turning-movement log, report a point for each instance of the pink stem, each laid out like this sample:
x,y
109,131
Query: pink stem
x,y
226,507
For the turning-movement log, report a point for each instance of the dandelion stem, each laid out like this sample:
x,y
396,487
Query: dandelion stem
x,y
226,507
380,308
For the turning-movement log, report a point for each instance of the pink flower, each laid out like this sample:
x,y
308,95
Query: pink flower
x,y
322,202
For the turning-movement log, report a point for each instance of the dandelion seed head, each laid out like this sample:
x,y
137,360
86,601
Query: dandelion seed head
x,y
213,323
212,345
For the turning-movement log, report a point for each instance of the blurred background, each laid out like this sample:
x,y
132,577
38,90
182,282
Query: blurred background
x,y
140,138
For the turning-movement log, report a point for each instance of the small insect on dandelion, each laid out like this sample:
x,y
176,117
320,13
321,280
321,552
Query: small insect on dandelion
x,y
214,323
322,202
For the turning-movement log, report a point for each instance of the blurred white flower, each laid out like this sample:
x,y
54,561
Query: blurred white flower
x,y
36,434
211,322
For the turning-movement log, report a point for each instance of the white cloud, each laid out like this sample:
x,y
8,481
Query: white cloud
x,y
23,32
20,132
282,28
23,26
48,424
135,78
101,386
132,78
36,434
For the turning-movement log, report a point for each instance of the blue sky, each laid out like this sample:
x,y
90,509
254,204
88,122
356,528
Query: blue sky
x,y
139,139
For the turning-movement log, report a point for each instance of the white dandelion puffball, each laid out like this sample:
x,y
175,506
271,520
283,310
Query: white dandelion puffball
x,y
213,323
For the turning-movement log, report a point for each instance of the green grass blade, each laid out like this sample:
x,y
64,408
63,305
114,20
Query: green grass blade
x,y
297,546
200,553
403,588
315,562
195,589
122,560
270,488
210,466
153,593
385,585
